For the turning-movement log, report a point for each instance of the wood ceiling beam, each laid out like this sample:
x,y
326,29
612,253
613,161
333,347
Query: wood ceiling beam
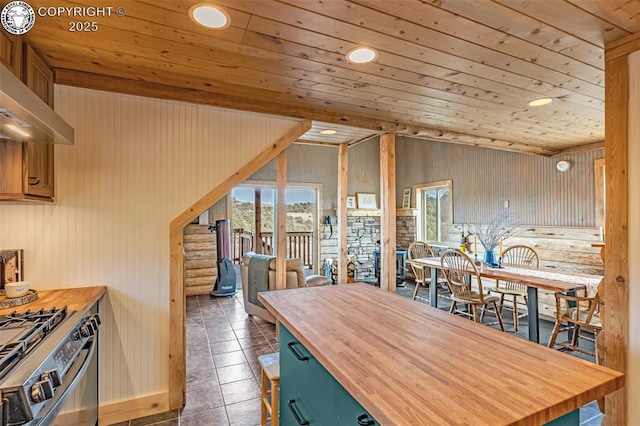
x,y
580,149
160,91
318,143
464,139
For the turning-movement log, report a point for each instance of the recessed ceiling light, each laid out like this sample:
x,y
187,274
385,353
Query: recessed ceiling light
x,y
361,55
541,101
209,16
328,132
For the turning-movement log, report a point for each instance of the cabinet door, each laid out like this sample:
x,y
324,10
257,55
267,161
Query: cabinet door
x,y
317,392
11,52
293,410
38,156
11,170
39,169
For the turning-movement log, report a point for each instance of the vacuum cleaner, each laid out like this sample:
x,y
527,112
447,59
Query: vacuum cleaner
x,y
225,284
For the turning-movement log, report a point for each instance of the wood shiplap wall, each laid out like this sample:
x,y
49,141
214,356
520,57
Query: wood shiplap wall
x,y
364,168
137,164
484,178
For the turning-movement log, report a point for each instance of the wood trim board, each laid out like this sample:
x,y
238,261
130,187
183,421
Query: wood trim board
x,y
120,411
616,256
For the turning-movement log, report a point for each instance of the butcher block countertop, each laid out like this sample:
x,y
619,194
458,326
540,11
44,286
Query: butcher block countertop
x,y
410,364
75,299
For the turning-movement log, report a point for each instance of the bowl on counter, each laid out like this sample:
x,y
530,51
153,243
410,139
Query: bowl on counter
x,y
16,289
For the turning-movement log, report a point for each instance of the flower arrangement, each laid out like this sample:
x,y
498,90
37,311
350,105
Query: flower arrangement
x,y
491,235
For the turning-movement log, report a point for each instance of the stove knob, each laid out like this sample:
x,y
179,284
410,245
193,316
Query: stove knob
x,y
84,331
53,377
95,321
41,391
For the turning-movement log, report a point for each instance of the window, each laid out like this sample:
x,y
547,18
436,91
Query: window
x,y
434,202
253,206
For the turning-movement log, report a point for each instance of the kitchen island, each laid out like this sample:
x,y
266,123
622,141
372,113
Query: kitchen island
x,y
410,364
76,299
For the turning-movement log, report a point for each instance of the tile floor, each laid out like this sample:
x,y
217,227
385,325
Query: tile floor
x,y
223,345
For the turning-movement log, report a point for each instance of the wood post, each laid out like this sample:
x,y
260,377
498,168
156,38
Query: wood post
x,y
616,223
343,172
388,212
177,325
257,238
281,222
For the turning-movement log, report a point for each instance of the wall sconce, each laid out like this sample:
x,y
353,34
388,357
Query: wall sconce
x,y
563,166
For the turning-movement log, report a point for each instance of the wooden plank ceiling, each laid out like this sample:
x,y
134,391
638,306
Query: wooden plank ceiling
x,y
451,70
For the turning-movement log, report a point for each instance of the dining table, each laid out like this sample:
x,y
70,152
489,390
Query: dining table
x,y
533,278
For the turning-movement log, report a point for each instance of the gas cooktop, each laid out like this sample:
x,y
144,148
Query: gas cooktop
x,y
21,333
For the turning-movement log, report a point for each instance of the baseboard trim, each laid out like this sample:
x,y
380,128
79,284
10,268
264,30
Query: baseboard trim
x,y
71,418
133,408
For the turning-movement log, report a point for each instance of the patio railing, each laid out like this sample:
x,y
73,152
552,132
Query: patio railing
x,y
299,245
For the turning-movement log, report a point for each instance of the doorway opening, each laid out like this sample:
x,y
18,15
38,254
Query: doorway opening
x,y
253,221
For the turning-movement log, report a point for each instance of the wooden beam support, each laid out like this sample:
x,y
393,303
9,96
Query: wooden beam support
x,y
621,47
388,212
316,143
177,313
257,201
161,91
580,149
343,177
281,222
439,135
617,238
177,323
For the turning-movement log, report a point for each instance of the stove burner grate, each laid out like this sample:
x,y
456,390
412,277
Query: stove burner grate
x,y
30,329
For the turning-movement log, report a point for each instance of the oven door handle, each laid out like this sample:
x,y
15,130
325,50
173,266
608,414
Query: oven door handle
x,y
84,358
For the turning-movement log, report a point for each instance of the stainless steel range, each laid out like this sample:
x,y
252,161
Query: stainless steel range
x,y
43,355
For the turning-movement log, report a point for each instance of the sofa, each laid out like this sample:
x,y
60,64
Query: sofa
x,y
295,278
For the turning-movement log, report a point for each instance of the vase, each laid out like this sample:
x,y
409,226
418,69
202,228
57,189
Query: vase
x,y
490,258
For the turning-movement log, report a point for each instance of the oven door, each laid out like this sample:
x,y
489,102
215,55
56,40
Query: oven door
x,y
77,403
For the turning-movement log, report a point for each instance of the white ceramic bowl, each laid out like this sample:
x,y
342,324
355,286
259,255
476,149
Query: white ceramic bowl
x,y
17,289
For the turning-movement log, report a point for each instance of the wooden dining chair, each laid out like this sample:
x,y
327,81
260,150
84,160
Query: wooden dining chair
x,y
579,313
458,270
417,250
518,255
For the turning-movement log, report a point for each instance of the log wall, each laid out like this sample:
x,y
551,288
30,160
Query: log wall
x,y
200,267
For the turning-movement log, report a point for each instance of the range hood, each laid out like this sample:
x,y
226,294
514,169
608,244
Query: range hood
x,y
27,118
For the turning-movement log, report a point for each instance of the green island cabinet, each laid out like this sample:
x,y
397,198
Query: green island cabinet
x,y
309,395
353,355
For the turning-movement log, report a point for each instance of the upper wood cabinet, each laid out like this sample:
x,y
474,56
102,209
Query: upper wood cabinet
x,y
38,156
11,52
27,167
